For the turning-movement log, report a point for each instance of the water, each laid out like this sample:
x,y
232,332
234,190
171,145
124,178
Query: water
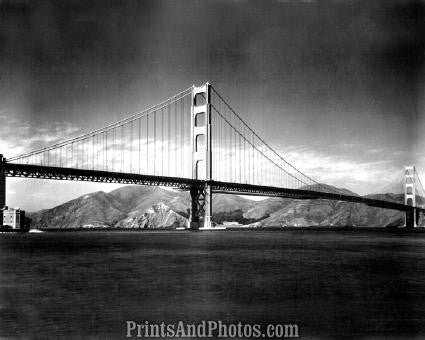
x,y
332,284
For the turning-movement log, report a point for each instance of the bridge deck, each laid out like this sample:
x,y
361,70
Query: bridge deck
x,y
59,173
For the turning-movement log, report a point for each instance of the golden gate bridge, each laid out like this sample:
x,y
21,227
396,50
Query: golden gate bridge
x,y
192,141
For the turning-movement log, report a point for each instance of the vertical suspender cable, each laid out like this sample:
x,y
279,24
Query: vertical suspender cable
x,y
106,150
93,152
238,142
244,152
220,138
140,138
131,147
182,136
175,137
114,150
162,141
229,150
97,151
154,142
122,148
168,138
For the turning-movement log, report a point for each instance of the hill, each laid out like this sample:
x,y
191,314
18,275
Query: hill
x,y
302,213
155,207
133,207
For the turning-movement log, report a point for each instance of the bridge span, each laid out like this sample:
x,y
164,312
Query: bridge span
x,y
192,141
193,185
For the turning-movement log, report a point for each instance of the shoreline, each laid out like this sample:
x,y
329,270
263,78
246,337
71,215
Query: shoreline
x,y
401,230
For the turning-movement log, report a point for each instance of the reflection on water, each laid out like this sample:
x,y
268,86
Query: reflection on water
x,y
87,284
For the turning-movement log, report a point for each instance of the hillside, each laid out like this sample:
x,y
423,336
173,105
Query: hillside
x,y
324,213
132,207
154,207
97,208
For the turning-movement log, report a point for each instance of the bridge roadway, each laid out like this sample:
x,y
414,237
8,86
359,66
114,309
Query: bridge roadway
x,y
60,173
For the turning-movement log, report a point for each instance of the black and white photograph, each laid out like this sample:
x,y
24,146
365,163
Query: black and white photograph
x,y
212,169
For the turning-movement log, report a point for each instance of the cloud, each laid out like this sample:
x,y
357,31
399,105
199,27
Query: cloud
x,y
363,177
376,151
17,136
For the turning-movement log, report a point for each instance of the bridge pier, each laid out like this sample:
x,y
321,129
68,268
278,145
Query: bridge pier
x,y
2,186
197,207
201,207
208,207
412,217
420,219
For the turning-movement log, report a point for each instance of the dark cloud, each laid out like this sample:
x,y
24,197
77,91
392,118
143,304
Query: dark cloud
x,y
404,53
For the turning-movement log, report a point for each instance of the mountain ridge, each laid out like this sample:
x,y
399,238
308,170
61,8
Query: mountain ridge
x,y
154,207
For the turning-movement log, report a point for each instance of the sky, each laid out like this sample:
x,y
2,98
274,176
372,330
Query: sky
x,y
337,87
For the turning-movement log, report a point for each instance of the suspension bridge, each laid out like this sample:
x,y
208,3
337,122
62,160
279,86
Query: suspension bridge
x,y
192,141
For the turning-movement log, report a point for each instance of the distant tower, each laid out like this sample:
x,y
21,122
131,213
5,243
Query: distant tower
x,y
409,194
2,186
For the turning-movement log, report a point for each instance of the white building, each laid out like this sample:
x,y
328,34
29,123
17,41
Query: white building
x,y
14,218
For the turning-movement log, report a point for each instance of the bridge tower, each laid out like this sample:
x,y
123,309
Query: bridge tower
x,y
2,186
410,196
201,145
